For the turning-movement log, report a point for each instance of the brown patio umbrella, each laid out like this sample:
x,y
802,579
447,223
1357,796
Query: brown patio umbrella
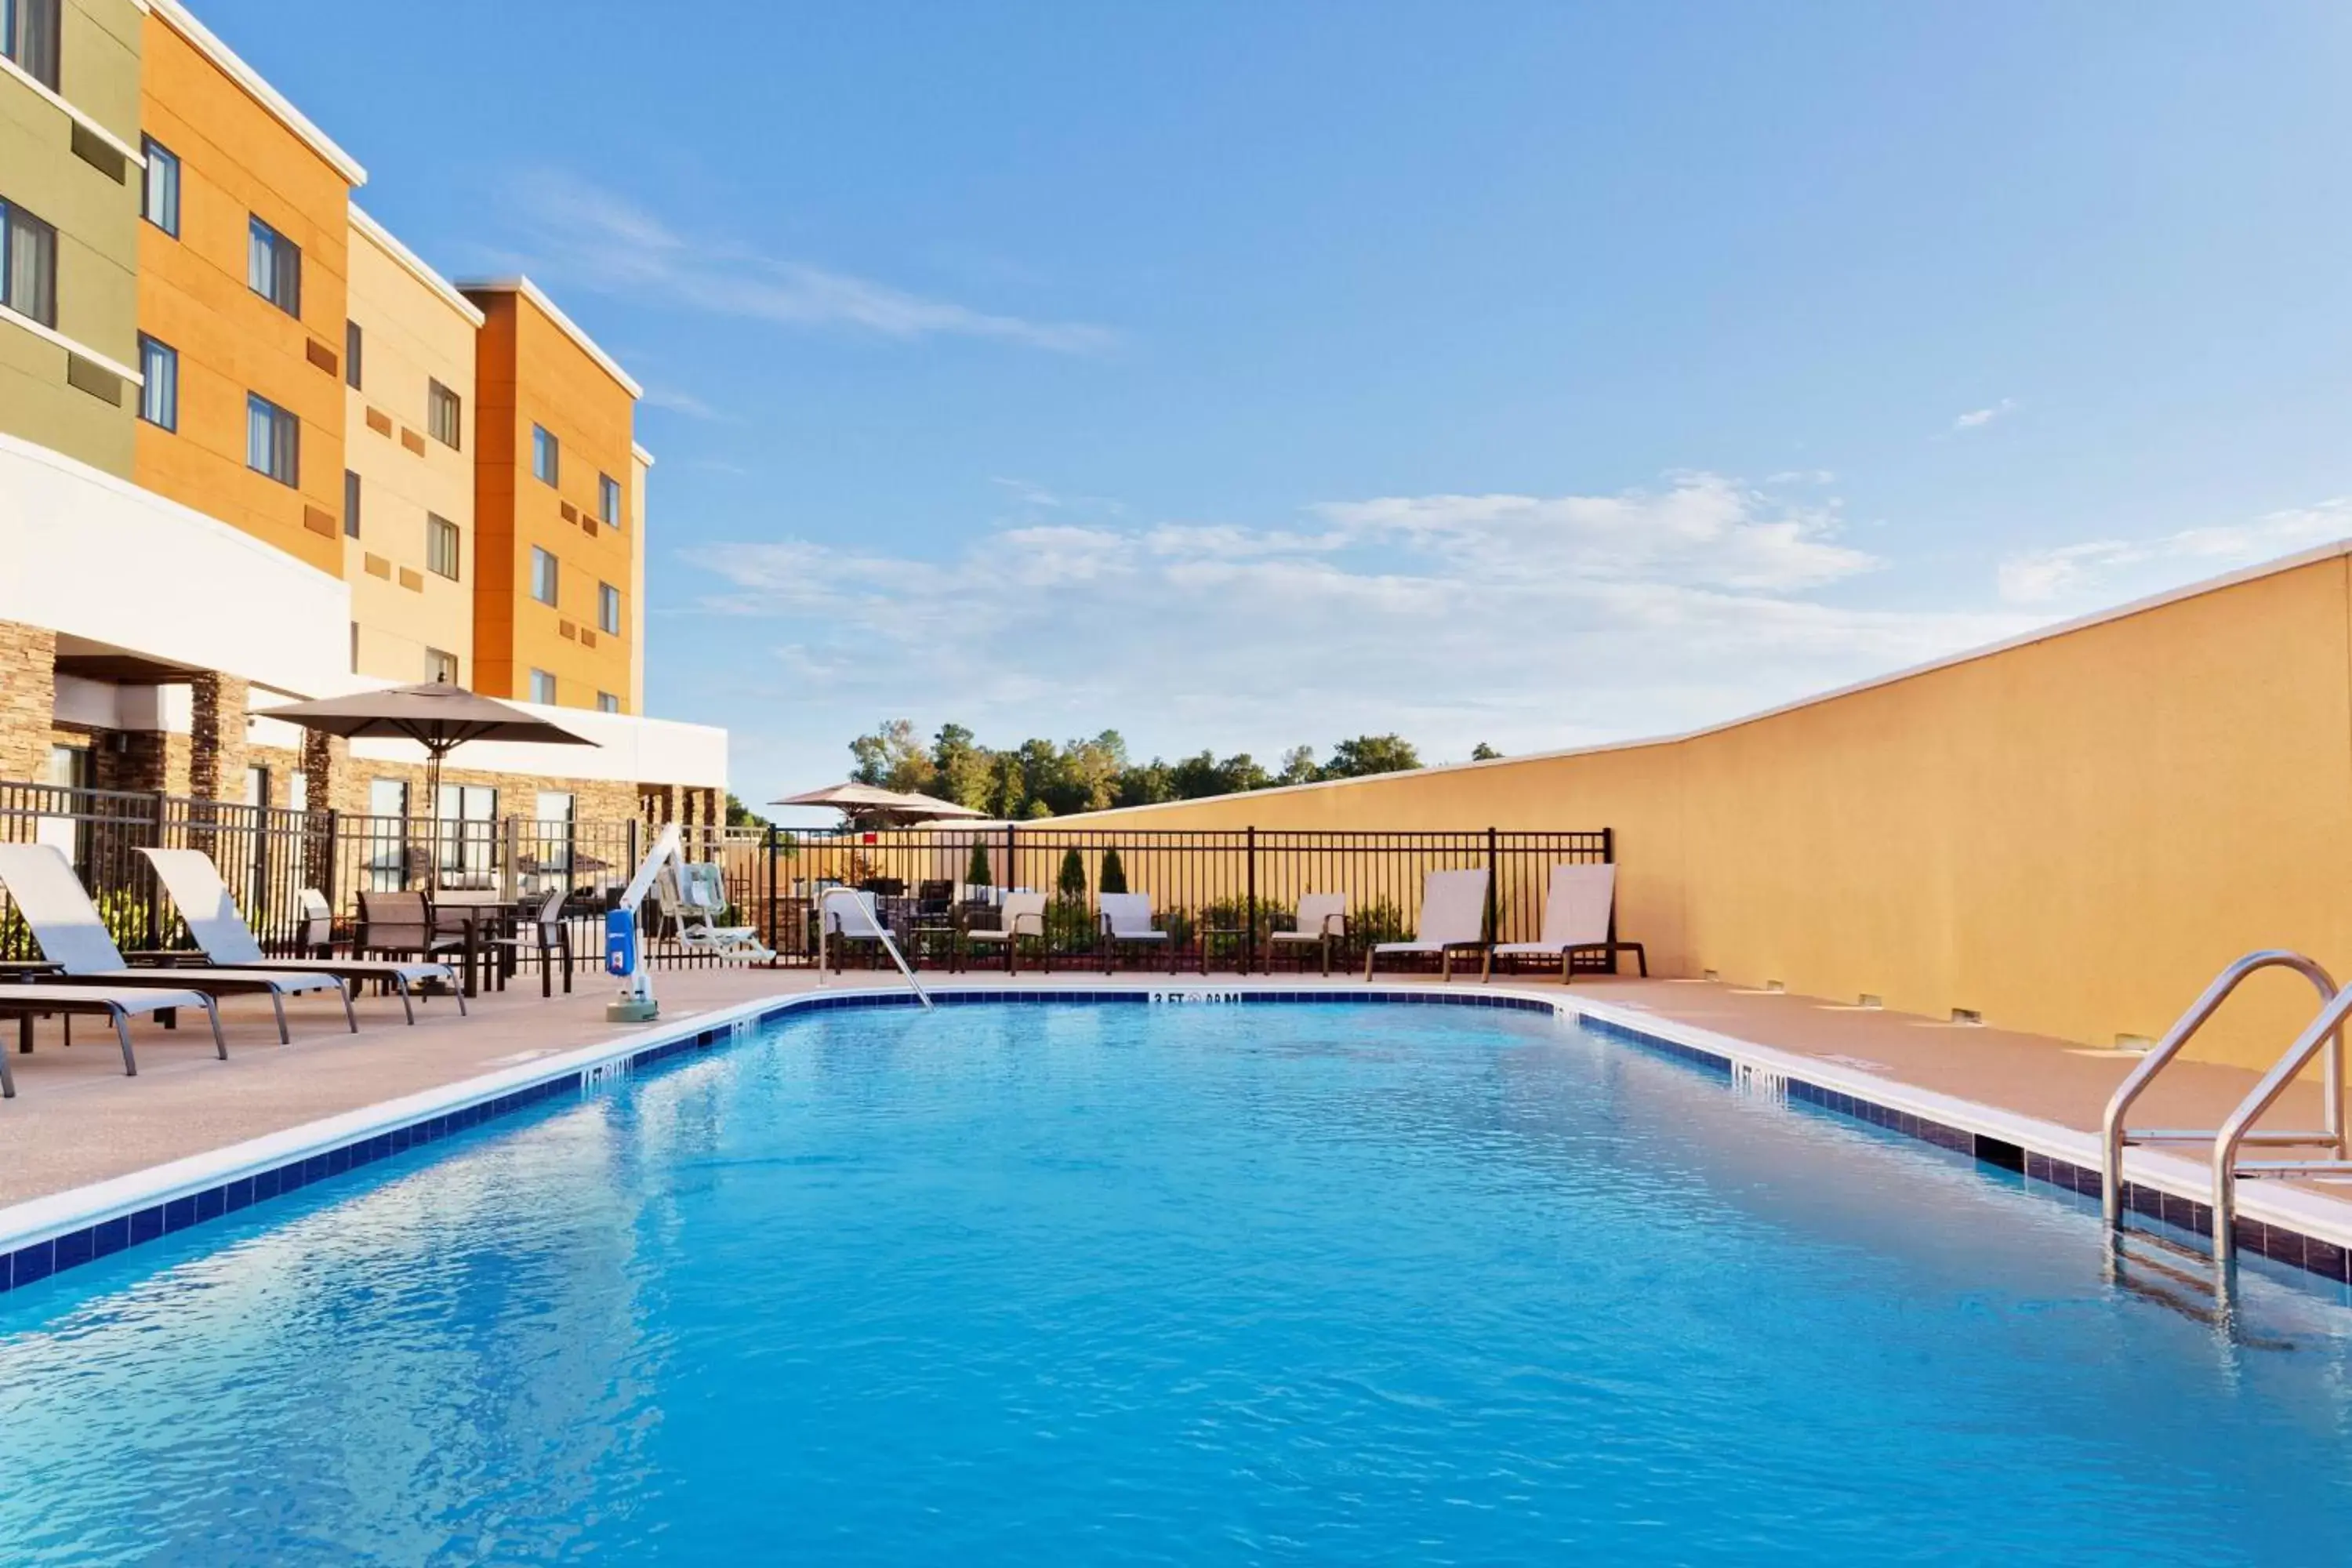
x,y
438,715
865,804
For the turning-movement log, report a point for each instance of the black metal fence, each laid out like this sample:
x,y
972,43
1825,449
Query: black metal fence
x,y
1236,884
1227,889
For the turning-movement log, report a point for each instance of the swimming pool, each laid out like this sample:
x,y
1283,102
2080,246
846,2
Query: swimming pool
x,y
1156,1284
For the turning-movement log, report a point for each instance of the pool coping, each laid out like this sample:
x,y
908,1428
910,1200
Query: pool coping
x,y
44,1236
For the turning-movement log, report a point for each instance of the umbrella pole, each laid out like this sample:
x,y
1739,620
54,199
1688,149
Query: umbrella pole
x,y
433,756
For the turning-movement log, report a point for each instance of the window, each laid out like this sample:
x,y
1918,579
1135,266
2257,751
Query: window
x,y
608,501
159,194
353,341
355,648
440,667
159,368
298,791
441,546
273,267
545,456
28,35
351,504
542,688
387,797
543,575
608,608
607,703
441,410
28,262
257,785
273,441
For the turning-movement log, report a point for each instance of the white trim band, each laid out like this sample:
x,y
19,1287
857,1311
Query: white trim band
x,y
10,67
52,335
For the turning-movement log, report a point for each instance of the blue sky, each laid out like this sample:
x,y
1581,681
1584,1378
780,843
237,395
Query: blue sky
x,y
1239,376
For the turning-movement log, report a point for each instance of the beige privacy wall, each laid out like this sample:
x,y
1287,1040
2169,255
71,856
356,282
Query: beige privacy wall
x,y
2068,835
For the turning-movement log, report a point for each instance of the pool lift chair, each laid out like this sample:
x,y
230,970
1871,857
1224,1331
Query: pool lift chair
x,y
2322,1038
624,954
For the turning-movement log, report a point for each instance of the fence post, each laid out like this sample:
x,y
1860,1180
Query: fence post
x,y
1011,870
774,930
1493,909
154,898
1249,912
327,876
509,874
1609,858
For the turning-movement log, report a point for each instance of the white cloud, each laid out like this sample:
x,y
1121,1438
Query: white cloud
x,y
1977,418
2112,569
594,238
681,401
1529,622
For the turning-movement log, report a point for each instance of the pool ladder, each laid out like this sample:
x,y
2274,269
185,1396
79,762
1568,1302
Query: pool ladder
x,y
2322,1038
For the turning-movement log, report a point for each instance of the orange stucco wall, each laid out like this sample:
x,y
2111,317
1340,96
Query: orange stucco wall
x,y
530,371
2070,836
240,160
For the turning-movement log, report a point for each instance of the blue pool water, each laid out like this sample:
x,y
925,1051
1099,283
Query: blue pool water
x,y
1316,1284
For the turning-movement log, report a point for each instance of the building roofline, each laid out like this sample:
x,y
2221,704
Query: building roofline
x,y
554,312
637,450
2283,564
209,44
415,264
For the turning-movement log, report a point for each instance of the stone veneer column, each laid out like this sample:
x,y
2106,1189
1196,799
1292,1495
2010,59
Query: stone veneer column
x,y
216,751
325,759
28,699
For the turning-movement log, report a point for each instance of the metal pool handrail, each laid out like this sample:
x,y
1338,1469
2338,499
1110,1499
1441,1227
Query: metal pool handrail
x,y
2114,1134
849,899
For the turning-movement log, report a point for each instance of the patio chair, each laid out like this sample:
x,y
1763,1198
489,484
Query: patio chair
x,y
1576,918
400,925
544,931
1452,917
702,903
1124,919
121,1003
73,936
848,914
1321,918
1020,914
195,888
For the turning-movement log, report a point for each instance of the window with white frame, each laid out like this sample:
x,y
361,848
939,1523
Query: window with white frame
x,y
546,456
441,546
440,668
542,688
608,608
608,501
607,703
443,411
543,575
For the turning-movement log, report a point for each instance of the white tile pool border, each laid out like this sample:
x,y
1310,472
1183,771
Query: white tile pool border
x,y
84,1223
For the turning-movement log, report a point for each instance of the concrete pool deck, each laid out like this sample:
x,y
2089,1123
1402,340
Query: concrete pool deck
x,y
78,1119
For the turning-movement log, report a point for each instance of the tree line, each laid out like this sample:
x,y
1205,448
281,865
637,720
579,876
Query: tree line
x,y
1038,778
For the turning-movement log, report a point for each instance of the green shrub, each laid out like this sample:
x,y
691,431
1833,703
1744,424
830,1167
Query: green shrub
x,y
1070,926
1072,882
976,870
1113,879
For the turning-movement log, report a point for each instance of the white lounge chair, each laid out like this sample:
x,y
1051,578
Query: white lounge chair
x,y
1452,917
701,903
1023,913
71,935
1321,917
119,1002
1124,920
194,886
1576,908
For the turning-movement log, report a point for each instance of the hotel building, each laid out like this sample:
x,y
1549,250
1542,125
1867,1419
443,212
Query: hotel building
x,y
254,448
